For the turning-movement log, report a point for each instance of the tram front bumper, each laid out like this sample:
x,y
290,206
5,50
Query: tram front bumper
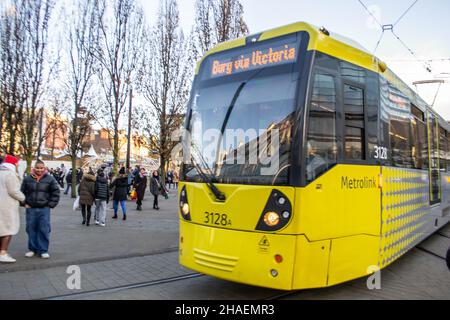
x,y
259,259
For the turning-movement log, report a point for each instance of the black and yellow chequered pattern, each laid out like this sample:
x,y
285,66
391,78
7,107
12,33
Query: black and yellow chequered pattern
x,y
406,213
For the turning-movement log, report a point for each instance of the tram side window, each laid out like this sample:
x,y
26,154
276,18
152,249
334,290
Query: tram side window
x,y
401,143
354,123
419,139
322,142
442,149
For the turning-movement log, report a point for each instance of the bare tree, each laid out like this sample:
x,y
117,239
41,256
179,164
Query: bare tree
x,y
12,77
82,38
165,80
118,53
39,68
218,21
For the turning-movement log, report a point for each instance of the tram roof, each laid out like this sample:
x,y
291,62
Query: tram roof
x,y
334,45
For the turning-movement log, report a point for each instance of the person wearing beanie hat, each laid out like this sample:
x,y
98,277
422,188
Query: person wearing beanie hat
x,y
9,206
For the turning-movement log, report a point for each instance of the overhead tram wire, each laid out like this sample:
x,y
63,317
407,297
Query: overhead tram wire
x,y
404,14
371,14
390,27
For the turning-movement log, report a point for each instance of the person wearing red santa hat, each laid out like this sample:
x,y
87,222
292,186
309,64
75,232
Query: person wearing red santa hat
x,y
9,206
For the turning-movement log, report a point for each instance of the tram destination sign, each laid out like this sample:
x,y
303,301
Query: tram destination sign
x,y
260,57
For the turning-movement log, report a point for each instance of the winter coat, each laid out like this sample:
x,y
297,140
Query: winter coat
x,y
79,176
86,190
69,177
155,185
101,189
140,184
9,206
120,185
40,194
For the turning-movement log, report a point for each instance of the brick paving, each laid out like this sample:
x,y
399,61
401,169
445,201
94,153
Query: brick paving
x,y
51,282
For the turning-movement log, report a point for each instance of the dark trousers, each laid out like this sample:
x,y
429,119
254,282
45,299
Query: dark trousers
x,y
38,229
155,201
87,217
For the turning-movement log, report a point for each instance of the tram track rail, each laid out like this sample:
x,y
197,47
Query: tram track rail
x,y
84,294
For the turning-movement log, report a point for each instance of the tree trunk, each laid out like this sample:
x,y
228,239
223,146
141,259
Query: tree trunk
x,y
74,177
29,158
116,152
163,170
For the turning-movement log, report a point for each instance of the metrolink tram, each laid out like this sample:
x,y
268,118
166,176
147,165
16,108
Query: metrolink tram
x,y
358,176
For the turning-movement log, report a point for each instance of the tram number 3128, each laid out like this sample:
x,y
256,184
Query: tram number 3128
x,y
217,219
381,153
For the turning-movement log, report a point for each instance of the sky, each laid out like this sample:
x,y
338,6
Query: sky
x,y
425,29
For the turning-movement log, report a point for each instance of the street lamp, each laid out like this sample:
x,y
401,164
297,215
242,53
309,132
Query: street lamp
x,y
129,130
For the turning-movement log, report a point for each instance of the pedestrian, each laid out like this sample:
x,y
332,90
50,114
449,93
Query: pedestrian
x,y
101,198
120,184
68,181
130,180
79,175
170,178
176,178
63,175
9,206
41,192
86,191
140,185
155,188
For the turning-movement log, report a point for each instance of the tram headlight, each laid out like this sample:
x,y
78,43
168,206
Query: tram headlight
x,y
277,213
185,209
272,219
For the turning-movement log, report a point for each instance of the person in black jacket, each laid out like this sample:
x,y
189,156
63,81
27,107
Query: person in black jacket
x,y
41,192
101,198
68,181
140,184
155,188
120,185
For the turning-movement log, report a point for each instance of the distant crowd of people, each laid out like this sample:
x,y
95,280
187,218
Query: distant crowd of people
x,y
39,193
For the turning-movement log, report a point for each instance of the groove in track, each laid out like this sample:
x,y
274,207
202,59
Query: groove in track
x,y
126,287
281,295
443,235
430,252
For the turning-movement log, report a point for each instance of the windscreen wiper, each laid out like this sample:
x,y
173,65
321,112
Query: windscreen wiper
x,y
217,193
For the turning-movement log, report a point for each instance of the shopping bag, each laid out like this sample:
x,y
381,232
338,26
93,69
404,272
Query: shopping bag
x,y
76,203
133,195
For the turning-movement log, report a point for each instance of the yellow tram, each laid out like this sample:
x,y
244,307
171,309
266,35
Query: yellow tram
x,y
359,174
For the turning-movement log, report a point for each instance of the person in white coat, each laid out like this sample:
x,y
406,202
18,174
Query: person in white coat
x,y
9,206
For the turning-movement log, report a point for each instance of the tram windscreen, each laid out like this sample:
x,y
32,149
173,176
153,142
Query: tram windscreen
x,y
241,114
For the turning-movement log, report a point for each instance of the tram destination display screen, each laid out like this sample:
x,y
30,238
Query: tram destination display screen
x,y
267,54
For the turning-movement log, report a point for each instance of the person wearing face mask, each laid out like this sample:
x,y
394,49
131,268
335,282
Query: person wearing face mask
x,y
41,192
9,206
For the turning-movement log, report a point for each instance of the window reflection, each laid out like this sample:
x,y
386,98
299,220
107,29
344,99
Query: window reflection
x,y
322,142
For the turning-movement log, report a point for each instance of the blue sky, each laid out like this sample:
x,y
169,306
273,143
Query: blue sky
x,y
425,29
